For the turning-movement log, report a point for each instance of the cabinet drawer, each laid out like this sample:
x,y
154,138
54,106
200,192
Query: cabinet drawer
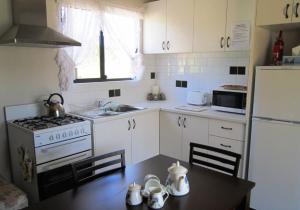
x,y
227,129
226,144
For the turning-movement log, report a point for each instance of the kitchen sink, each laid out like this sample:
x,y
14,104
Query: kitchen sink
x,y
109,111
124,108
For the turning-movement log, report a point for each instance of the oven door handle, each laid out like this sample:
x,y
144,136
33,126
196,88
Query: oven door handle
x,y
56,146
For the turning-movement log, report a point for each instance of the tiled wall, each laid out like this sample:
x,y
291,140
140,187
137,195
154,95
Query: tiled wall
x,y
203,72
85,95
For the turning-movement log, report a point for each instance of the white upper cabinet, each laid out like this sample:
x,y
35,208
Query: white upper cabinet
x,y
214,20
168,26
155,21
271,12
180,18
209,25
296,11
238,11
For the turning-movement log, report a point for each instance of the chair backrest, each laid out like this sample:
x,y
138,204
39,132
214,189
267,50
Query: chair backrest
x,y
229,165
86,170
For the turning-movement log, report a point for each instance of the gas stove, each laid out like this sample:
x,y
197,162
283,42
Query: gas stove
x,y
48,145
44,122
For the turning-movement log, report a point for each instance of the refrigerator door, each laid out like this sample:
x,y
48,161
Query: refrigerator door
x,y
274,165
277,94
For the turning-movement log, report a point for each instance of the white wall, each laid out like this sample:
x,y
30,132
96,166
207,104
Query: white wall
x,y
204,72
26,74
81,96
30,74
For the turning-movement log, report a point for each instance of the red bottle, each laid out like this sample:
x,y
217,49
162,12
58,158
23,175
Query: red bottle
x,y
278,50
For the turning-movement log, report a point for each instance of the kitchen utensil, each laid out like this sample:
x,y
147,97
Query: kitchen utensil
x,y
55,108
157,198
133,196
177,182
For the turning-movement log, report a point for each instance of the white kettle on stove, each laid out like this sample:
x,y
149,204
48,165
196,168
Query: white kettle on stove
x,y
177,183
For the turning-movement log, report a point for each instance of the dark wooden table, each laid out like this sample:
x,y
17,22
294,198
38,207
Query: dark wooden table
x,y
209,190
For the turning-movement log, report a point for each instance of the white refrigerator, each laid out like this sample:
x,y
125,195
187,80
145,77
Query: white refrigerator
x,y
275,139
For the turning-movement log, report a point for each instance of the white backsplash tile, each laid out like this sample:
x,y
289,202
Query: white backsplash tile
x,y
204,72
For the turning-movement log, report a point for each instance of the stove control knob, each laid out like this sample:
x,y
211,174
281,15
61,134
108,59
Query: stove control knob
x,y
70,133
57,136
76,132
51,138
64,135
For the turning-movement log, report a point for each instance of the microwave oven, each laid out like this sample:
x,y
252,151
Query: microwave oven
x,y
229,101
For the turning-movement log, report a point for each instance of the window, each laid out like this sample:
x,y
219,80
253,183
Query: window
x,y
112,48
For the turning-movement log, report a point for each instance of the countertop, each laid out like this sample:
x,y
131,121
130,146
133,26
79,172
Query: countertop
x,y
151,106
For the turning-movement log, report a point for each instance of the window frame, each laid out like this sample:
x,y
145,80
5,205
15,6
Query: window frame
x,y
103,77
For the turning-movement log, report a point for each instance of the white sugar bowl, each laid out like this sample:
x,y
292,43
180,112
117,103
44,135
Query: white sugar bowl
x,y
133,196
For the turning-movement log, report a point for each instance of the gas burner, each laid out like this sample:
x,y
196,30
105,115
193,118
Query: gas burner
x,y
44,122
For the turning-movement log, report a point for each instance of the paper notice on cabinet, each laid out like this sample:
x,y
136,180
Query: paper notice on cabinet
x,y
240,38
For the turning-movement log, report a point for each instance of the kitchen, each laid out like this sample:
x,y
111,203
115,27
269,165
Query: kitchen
x,y
189,54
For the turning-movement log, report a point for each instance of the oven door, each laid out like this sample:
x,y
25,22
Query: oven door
x,y
62,149
229,101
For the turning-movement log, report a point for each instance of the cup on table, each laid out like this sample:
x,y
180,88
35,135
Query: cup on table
x,y
157,198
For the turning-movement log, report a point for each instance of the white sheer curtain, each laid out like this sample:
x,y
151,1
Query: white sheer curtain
x,y
82,20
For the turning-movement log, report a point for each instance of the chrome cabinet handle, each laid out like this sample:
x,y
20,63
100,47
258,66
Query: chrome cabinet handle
x,y
134,124
296,9
224,128
179,119
228,42
222,42
129,125
163,45
287,11
168,45
226,146
184,120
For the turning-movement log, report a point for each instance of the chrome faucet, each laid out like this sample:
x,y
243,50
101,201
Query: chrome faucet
x,y
103,105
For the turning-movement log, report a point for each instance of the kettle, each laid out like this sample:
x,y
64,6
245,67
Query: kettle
x,y
55,108
177,182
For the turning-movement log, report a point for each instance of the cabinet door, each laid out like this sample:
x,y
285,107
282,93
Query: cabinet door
x,y
155,27
170,134
271,12
209,25
180,26
112,136
296,11
195,129
238,11
145,136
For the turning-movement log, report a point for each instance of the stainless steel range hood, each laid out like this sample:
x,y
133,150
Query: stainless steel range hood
x,y
30,27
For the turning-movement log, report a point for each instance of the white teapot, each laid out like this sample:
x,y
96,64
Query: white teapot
x,y
177,182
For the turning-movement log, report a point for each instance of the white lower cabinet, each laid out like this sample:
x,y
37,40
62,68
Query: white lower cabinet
x,y
227,136
112,136
177,131
145,136
138,135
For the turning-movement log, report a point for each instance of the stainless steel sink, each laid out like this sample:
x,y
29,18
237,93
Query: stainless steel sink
x,y
109,111
125,108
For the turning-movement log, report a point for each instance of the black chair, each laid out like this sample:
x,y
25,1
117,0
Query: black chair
x,y
85,170
233,165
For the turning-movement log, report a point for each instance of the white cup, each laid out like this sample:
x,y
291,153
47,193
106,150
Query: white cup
x,y
157,198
